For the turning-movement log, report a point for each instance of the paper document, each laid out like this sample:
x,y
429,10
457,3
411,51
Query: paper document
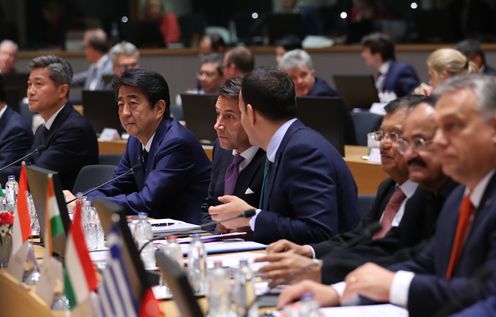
x,y
168,225
228,246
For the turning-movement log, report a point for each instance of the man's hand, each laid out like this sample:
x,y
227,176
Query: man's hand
x,y
369,280
231,206
323,294
69,196
285,245
289,267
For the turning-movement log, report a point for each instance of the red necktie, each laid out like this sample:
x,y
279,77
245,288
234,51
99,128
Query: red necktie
x,y
466,211
389,212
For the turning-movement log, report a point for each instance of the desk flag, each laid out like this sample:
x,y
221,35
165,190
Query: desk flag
x,y
21,230
79,275
115,295
53,221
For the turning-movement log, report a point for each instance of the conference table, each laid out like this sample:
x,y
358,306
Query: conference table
x,y
367,175
17,299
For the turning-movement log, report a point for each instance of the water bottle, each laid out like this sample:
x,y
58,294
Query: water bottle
x,y
142,234
244,291
35,223
218,292
173,249
11,189
197,264
92,227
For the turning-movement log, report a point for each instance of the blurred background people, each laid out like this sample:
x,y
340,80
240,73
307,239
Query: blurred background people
x,y
238,62
472,49
8,57
156,11
443,64
211,43
286,44
95,49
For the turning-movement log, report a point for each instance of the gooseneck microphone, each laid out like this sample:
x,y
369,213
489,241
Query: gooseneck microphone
x,y
39,149
244,214
136,168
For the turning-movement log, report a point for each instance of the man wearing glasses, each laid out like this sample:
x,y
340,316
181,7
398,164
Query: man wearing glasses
x,y
406,213
124,56
448,270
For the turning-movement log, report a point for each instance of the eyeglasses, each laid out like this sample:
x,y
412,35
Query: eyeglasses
x,y
417,144
125,67
380,135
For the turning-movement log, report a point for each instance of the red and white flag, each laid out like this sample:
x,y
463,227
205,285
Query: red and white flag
x,y
22,221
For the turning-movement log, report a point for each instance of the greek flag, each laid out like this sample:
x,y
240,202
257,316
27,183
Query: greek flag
x,y
115,295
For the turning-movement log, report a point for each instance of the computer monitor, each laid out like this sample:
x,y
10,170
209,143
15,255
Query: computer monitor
x,y
200,116
177,280
100,108
38,183
357,91
325,115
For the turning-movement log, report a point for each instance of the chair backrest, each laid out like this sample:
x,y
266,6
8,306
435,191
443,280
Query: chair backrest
x,y
109,159
364,123
91,176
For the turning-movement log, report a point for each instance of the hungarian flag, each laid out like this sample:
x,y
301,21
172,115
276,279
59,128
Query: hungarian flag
x,y
79,274
53,221
22,221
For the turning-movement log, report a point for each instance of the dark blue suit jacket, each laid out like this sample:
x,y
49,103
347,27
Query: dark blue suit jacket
x,y
311,193
71,144
401,78
429,289
486,307
16,139
174,182
322,89
250,177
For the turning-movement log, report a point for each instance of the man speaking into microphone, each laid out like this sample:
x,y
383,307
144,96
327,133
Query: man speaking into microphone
x,y
67,139
175,173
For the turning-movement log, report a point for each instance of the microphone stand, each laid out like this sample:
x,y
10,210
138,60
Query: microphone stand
x,y
132,170
37,150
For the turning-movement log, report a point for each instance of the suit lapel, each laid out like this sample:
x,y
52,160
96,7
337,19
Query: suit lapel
x,y
247,175
295,126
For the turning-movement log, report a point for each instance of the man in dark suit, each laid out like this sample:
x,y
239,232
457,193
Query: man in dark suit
x,y
472,49
237,166
465,239
413,222
16,137
392,76
308,193
299,67
69,138
175,170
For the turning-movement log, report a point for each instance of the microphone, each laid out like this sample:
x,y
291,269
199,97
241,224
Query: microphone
x,y
39,149
244,214
136,168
